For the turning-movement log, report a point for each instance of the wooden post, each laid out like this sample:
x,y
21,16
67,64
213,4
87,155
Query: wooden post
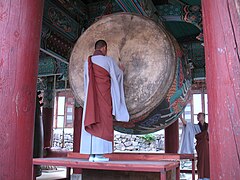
x,y
221,22
77,133
163,175
20,28
47,116
172,138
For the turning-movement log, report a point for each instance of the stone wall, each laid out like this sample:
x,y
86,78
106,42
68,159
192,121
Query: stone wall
x,y
126,142
122,142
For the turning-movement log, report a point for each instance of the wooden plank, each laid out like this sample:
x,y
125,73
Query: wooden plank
x,y
139,156
144,166
188,156
134,156
89,174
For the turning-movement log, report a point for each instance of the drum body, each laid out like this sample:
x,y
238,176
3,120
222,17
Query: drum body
x,y
152,63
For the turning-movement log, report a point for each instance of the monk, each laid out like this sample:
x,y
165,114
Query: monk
x,y
200,131
104,102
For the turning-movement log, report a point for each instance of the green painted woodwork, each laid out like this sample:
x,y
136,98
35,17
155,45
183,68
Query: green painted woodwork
x,y
59,21
46,66
195,55
169,10
199,73
75,8
191,2
181,29
178,13
101,8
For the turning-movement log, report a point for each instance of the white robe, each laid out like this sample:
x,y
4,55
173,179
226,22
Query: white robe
x,y
91,144
187,139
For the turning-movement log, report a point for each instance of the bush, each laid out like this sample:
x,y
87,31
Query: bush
x,y
149,137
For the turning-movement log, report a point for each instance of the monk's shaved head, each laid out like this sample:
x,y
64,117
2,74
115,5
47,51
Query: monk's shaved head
x,y
100,44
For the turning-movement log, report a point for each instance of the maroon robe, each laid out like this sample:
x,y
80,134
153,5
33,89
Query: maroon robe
x,y
202,149
98,119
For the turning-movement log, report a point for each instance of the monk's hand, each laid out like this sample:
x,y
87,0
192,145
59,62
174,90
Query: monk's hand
x,y
121,66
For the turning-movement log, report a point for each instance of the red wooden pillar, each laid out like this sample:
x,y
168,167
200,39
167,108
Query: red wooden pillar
x,y
77,133
47,116
20,27
172,138
221,22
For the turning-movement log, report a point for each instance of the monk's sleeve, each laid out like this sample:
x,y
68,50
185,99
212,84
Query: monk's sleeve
x,y
119,108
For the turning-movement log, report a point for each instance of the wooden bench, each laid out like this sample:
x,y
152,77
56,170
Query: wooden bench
x,y
154,163
148,156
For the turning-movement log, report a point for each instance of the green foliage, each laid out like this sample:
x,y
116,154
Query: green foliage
x,y
149,137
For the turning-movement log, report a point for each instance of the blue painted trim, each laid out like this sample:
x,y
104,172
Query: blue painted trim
x,y
140,8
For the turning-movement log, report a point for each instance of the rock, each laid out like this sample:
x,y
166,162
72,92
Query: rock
x,y
130,148
123,148
124,140
134,143
117,141
128,143
119,146
152,145
117,136
128,137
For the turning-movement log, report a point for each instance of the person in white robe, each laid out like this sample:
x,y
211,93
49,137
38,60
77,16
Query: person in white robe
x,y
200,132
90,144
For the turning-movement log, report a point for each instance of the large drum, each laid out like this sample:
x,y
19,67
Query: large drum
x,y
153,75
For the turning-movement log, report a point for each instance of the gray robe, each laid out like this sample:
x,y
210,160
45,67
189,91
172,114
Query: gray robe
x,y
187,138
91,144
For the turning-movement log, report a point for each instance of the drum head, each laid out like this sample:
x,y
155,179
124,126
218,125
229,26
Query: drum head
x,y
145,49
